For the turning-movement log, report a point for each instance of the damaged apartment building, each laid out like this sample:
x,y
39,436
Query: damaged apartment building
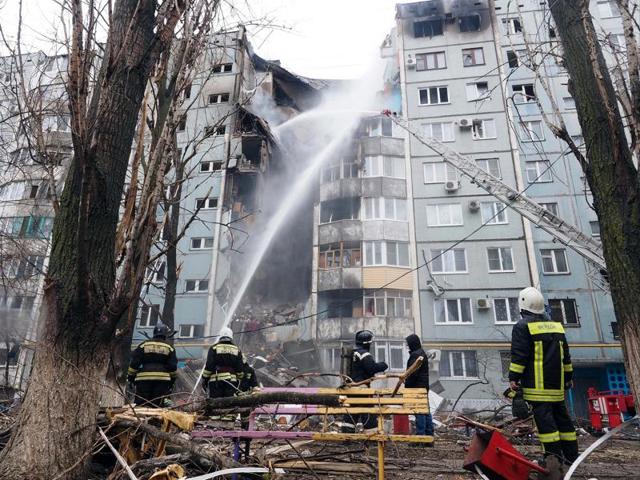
x,y
238,172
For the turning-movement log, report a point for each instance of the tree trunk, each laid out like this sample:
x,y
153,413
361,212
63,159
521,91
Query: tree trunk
x,y
56,426
611,174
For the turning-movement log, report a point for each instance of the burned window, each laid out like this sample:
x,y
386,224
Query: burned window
x,y
469,23
339,209
512,26
524,93
428,28
337,255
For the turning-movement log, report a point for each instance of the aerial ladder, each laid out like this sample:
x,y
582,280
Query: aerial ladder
x,y
561,231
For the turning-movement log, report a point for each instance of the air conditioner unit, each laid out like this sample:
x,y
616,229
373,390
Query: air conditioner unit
x,y
451,185
411,62
465,123
483,303
474,205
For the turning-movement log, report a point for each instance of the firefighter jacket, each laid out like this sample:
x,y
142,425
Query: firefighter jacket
x,y
248,379
363,365
540,358
224,363
153,360
419,378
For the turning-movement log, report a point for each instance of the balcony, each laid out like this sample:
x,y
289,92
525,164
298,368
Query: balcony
x,y
339,278
346,327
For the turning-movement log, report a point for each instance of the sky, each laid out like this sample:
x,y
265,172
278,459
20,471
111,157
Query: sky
x,y
322,39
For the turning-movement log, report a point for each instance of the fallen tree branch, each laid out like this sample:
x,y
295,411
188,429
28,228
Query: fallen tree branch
x,y
184,444
257,399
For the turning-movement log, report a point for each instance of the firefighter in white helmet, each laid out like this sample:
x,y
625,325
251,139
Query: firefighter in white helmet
x,y
541,367
224,367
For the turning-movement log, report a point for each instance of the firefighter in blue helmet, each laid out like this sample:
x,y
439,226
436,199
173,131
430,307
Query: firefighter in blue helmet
x,y
153,368
541,367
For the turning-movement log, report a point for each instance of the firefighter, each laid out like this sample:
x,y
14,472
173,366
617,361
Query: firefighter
x,y
541,366
224,367
363,367
419,379
153,368
248,380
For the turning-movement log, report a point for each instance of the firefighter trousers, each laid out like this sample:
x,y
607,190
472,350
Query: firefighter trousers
x,y
152,392
555,430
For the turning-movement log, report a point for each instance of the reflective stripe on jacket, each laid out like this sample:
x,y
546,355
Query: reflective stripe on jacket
x,y
224,363
153,360
540,359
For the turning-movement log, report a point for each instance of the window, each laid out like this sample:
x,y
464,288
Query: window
x,y
477,91
490,165
505,364
617,42
595,228
500,259
380,208
449,261
386,253
608,8
524,93
195,286
223,68
156,272
339,209
531,131
564,311
387,303
615,330
340,168
332,359
208,166
378,127
439,172
483,129
9,356
458,364
56,123
472,56
538,171
512,59
469,23
182,123
381,165
433,95
512,26
453,310
191,331
393,353
29,227
187,91
149,315
554,260
506,310
20,302
215,131
218,98
569,103
428,28
343,254
551,207
579,141
201,243
444,215
206,203
29,266
431,61
439,131
493,213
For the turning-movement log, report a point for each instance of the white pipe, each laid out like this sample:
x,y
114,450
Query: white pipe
x,y
596,444
230,471
121,460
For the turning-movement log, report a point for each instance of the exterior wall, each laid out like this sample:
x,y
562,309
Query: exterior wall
x,y
484,335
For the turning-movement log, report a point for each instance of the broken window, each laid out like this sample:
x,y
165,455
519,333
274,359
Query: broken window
x,y
431,61
512,59
470,23
428,28
337,255
156,272
565,311
524,93
340,303
483,129
223,68
477,91
512,26
218,98
380,126
214,131
149,315
342,168
472,56
531,131
340,209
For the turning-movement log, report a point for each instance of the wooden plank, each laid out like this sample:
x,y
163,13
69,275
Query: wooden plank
x,y
385,401
325,466
422,410
372,437
250,434
345,391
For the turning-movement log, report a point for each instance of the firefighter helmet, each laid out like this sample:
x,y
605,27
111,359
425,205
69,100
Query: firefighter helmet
x,y
531,300
364,337
225,334
161,330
